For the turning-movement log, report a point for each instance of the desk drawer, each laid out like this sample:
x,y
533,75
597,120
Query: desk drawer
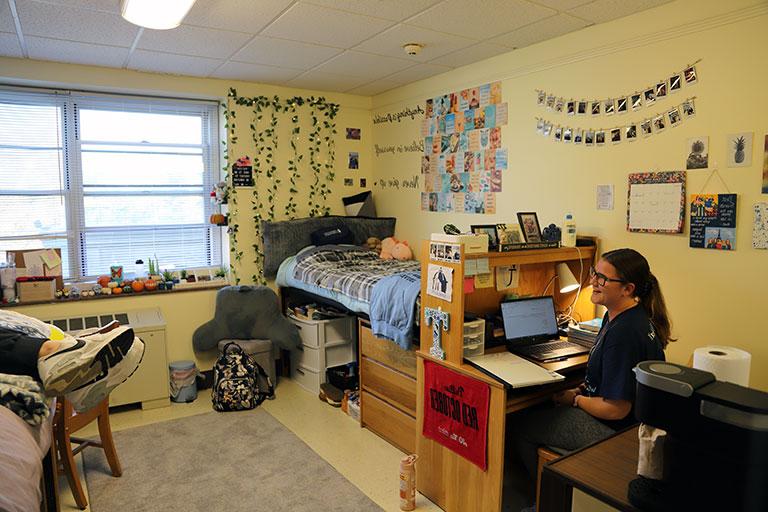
x,y
393,425
394,387
387,352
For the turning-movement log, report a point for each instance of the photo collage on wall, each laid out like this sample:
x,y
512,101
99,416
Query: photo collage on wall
x,y
713,221
463,158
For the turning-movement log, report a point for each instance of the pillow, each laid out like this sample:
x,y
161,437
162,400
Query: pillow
x,y
360,205
332,235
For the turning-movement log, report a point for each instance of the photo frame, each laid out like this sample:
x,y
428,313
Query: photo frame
x,y
488,229
529,224
508,234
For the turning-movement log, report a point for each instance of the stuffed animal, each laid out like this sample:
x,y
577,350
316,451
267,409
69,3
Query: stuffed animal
x,y
391,248
373,244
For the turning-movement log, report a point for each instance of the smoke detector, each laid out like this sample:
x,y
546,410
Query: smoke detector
x,y
412,48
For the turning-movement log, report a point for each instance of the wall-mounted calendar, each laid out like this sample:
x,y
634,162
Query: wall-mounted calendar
x,y
656,202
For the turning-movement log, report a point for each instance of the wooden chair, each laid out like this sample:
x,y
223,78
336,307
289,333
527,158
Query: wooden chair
x,y
545,455
67,422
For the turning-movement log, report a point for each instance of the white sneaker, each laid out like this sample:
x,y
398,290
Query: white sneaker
x,y
85,361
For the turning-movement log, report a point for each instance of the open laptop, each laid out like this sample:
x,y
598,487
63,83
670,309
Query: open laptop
x,y
530,326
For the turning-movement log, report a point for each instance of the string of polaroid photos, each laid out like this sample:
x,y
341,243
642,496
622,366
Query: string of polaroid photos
x,y
639,99
629,132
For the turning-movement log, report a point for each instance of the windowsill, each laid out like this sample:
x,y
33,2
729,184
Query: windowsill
x,y
206,287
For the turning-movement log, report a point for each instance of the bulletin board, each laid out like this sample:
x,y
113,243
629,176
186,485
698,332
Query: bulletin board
x,y
656,202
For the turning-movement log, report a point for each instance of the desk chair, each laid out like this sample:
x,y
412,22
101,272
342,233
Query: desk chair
x,y
545,455
66,422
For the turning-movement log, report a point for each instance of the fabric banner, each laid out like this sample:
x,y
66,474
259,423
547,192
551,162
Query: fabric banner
x,y
456,412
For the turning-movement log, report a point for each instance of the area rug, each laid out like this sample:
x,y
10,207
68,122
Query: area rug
x,y
234,461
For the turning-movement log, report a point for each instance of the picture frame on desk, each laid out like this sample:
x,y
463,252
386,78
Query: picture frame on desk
x,y
490,230
529,223
508,234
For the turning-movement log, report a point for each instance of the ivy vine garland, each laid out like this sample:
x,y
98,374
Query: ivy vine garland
x,y
265,141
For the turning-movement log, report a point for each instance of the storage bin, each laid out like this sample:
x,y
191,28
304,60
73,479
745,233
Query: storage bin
x,y
474,338
183,381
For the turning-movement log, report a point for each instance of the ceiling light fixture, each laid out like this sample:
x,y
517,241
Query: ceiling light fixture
x,y
412,48
156,14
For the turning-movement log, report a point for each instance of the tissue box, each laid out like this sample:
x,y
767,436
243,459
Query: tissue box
x,y
33,291
473,243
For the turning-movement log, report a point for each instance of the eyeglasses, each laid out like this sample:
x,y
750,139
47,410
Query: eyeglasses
x,y
601,279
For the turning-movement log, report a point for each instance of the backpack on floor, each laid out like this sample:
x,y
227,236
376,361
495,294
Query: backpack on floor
x,y
236,382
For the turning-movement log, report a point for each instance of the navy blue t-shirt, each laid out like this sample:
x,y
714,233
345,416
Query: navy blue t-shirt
x,y
621,343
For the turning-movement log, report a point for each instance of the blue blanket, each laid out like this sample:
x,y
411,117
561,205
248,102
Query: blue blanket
x,y
393,306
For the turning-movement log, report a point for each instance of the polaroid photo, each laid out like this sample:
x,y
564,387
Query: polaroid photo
x,y
608,107
688,109
589,138
559,105
659,123
354,160
547,129
578,136
567,135
600,137
690,75
540,126
661,89
630,133
581,108
348,182
637,101
363,182
595,108
558,134
550,102
645,127
570,108
621,106
674,117
650,96
675,82
615,135
541,98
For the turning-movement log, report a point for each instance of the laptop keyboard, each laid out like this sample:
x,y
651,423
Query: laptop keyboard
x,y
544,348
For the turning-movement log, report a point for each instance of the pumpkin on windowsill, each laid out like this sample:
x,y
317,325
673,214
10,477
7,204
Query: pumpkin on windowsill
x,y
150,285
138,286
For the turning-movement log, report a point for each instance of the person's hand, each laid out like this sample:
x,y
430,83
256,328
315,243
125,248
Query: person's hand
x,y
565,397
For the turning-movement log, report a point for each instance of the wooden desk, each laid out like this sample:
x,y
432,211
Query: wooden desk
x,y
602,470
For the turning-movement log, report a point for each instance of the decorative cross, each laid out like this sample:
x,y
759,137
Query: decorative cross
x,y
436,317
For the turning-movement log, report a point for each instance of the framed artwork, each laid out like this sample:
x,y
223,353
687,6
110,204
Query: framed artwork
x,y
529,223
490,230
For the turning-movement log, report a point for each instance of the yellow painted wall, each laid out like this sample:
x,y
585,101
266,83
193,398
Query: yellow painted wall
x,y
184,312
714,297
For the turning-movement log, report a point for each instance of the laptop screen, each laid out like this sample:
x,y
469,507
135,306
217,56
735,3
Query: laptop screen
x,y
529,318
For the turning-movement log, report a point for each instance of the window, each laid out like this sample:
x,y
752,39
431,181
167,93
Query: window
x,y
108,179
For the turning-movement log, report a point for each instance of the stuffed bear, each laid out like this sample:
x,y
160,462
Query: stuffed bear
x,y
391,248
373,244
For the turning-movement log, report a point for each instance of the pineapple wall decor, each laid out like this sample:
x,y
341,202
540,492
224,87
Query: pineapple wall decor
x,y
738,148
642,98
630,131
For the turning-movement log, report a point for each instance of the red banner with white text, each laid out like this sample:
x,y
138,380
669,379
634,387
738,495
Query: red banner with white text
x,y
456,412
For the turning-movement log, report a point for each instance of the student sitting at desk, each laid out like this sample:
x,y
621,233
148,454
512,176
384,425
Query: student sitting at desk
x,y
635,328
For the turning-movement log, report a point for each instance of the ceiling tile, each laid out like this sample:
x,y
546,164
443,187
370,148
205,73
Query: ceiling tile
x,y
41,48
282,52
396,10
255,73
326,81
174,64
563,5
315,24
469,55
9,45
6,19
195,41
418,72
239,15
374,88
480,19
435,44
364,65
541,30
94,5
606,10
85,26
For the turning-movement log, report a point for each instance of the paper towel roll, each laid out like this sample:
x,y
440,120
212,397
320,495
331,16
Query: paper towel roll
x,y
727,363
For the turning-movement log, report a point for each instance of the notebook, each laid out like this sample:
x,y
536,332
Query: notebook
x,y
513,369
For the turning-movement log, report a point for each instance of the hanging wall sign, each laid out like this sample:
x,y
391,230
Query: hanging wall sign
x,y
643,97
456,412
242,172
713,221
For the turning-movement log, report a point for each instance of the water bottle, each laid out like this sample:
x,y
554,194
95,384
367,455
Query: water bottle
x,y
569,232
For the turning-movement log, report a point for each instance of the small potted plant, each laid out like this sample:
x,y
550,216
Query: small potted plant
x,y
168,279
221,273
183,277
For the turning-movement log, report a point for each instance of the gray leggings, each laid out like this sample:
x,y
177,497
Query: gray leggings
x,y
563,427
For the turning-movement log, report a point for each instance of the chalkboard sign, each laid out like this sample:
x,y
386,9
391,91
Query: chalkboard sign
x,y
713,221
242,175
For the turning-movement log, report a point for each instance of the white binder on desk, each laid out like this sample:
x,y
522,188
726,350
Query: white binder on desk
x,y
513,369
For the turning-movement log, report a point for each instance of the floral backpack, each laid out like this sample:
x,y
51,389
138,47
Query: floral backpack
x,y
236,381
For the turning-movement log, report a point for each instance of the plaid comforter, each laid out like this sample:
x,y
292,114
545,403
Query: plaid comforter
x,y
24,396
352,271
